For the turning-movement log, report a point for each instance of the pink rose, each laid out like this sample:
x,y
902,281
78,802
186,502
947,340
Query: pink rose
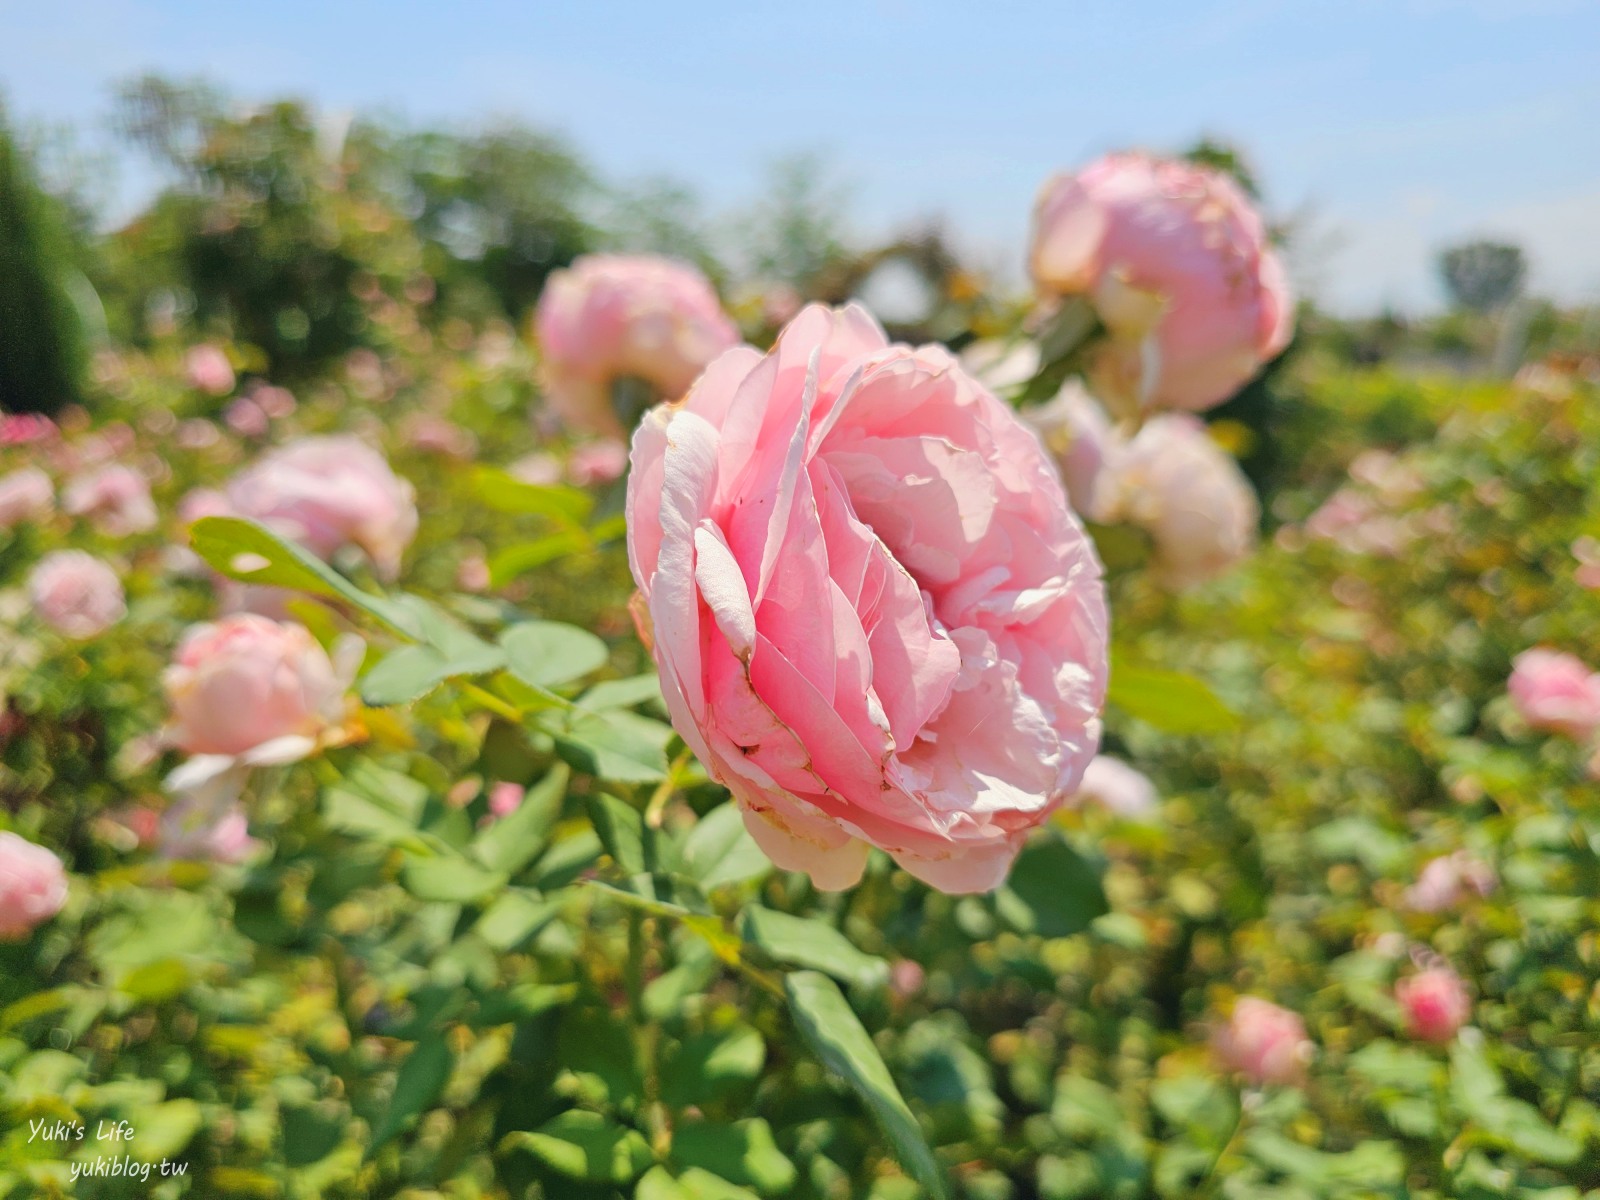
x,y
1445,881
25,495
76,593
1076,432
208,370
189,832
876,619
327,493
1264,1043
33,887
1116,786
246,418
505,799
254,689
23,429
1555,692
115,498
595,463
433,434
1436,1003
1183,489
1175,260
610,316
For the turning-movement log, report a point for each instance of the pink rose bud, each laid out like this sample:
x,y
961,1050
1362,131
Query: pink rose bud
x,y
25,495
1077,433
1176,262
115,498
538,468
246,418
1264,1043
208,370
76,594
472,575
327,493
250,687
876,618
1120,789
505,798
610,316
33,887
1436,1004
595,463
1445,882
1183,489
1555,692
23,429
433,434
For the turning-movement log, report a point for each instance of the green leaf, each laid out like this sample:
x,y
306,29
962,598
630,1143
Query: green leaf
x,y
519,558
1052,891
419,1083
719,850
584,1145
449,879
251,553
165,1129
743,1152
833,1031
547,653
806,942
352,812
617,745
1169,700
567,859
621,830
514,917
623,693
514,841
506,493
707,1065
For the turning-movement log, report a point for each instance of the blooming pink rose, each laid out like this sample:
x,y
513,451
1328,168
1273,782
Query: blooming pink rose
x,y
1445,881
876,619
33,887
208,370
597,462
1436,1003
330,492
1264,1043
611,316
116,498
1555,692
1115,785
25,495
1183,489
76,593
1175,260
257,689
1076,432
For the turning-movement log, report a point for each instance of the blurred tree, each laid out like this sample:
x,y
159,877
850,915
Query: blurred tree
x,y
263,233
1482,275
499,210
662,216
794,235
41,334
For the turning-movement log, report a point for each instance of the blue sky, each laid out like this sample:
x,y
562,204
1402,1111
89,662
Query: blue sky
x,y
1392,126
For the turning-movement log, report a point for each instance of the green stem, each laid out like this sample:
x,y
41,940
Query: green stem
x,y
1209,1183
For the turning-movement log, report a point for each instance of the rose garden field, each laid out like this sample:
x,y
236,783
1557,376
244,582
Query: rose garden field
x,y
589,717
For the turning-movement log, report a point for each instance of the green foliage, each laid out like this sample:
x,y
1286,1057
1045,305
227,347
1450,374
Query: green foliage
x,y
42,350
